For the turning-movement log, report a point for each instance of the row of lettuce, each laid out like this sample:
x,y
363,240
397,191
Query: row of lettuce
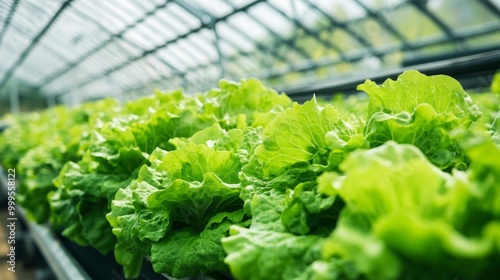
x,y
402,184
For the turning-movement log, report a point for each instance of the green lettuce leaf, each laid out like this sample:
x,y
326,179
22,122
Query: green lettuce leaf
x,y
81,202
200,183
297,136
173,204
187,252
409,215
412,88
308,212
256,254
424,129
484,171
245,103
420,110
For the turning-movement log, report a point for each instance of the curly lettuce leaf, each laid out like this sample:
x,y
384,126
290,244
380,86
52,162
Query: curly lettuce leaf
x,y
187,252
412,88
410,215
484,171
423,128
245,103
260,254
370,256
296,135
307,212
81,201
199,183
420,110
175,200
400,177
39,167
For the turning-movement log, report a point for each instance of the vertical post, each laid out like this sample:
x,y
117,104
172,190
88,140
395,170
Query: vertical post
x,y
220,56
74,99
51,101
14,98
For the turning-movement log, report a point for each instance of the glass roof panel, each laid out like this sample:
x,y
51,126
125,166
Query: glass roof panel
x,y
12,42
139,38
217,8
458,17
147,5
489,40
173,60
496,3
268,17
378,5
236,38
407,16
244,24
375,33
185,21
97,12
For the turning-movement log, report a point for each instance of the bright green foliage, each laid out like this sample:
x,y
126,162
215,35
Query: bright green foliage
x,y
245,103
410,215
298,136
401,217
306,210
40,166
420,110
412,88
424,128
114,153
190,252
257,254
44,143
489,103
81,200
175,199
279,179
495,84
280,192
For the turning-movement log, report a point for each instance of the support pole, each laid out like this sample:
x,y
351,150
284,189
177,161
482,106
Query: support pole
x,y
14,98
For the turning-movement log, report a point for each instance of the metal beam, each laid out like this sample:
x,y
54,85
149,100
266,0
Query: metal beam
x,y
201,14
6,23
491,7
34,42
14,98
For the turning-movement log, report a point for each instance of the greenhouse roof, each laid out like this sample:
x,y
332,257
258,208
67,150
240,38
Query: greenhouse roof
x,y
125,48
